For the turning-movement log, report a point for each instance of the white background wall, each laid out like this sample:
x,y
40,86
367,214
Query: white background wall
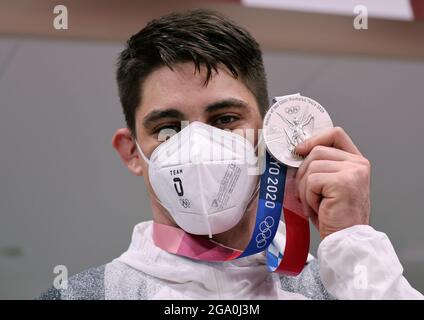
x,y
65,197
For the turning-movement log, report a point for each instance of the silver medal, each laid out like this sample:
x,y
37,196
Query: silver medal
x,y
289,121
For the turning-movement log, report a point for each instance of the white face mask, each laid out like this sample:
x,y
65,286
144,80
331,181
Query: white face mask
x,y
201,177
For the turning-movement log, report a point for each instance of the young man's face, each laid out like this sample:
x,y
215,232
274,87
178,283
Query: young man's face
x,y
171,96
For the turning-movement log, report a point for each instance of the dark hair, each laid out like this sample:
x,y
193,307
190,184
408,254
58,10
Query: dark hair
x,y
202,36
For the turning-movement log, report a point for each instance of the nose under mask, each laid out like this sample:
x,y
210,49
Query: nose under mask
x,y
203,177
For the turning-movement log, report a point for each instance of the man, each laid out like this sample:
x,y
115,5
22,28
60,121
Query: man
x,y
199,68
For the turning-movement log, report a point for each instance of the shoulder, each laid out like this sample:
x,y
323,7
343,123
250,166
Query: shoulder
x,y
308,282
123,282
86,285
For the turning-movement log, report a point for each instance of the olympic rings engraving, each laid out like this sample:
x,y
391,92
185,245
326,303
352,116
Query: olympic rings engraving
x,y
292,110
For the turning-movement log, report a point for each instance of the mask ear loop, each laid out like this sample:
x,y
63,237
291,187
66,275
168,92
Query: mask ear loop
x,y
141,152
150,164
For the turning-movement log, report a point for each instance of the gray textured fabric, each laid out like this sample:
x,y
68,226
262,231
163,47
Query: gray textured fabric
x,y
116,280
123,282
307,283
86,285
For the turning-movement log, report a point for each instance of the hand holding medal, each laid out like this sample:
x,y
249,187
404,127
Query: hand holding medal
x,y
332,182
290,121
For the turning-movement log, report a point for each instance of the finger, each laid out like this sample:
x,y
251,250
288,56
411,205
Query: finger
x,y
320,166
312,198
308,211
332,137
314,186
327,167
300,191
325,153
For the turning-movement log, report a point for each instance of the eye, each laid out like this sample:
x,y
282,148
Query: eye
x,y
168,128
225,120
164,132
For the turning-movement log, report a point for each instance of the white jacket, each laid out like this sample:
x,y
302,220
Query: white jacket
x,y
355,263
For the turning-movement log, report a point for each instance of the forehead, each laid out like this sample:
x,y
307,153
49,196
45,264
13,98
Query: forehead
x,y
184,88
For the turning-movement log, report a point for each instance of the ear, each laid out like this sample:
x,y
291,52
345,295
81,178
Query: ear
x,y
124,144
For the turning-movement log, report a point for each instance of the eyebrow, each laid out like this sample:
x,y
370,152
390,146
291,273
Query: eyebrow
x,y
222,104
177,114
159,114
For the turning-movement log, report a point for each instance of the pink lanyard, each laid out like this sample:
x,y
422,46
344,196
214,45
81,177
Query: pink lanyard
x,y
179,242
